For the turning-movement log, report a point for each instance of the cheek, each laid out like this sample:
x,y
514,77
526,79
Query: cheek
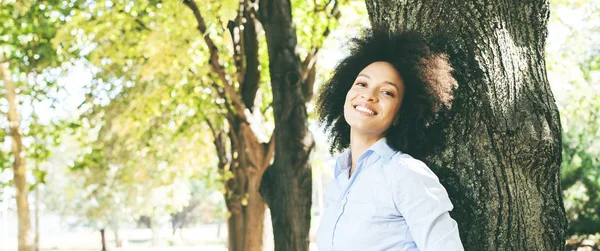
x,y
397,107
349,97
394,108
348,104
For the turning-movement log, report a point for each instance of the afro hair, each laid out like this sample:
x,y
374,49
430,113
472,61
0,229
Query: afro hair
x,y
428,85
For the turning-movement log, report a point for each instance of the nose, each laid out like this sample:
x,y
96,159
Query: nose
x,y
369,95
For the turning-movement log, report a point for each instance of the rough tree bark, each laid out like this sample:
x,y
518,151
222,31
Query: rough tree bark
x,y
287,184
249,159
501,163
25,236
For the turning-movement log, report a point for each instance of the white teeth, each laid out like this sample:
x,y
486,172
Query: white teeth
x,y
364,109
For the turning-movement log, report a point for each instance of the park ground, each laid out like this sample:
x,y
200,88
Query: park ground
x,y
205,237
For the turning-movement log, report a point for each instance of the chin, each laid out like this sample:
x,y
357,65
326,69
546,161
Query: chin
x,y
366,128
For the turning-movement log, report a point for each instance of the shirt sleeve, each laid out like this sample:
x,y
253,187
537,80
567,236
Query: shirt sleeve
x,y
424,203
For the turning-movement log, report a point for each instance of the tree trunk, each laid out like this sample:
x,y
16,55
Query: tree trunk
x,y
26,236
287,184
37,217
249,158
155,231
115,227
103,239
245,203
501,163
118,241
245,225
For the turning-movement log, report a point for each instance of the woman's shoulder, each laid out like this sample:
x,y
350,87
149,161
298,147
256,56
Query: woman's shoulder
x,y
403,165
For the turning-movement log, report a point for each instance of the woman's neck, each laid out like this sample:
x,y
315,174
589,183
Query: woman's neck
x,y
359,143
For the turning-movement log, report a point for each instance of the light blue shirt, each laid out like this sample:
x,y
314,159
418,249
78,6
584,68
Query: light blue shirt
x,y
392,202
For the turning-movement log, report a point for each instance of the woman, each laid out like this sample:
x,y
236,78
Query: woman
x,y
381,106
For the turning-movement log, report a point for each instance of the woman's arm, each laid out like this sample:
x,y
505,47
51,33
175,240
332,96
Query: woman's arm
x,y
424,203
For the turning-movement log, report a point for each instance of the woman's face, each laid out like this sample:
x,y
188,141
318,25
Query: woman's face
x,y
373,101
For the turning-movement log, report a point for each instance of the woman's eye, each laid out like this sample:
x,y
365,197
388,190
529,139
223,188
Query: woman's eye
x,y
388,93
361,84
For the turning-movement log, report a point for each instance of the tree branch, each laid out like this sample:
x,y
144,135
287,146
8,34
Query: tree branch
x,y
245,47
262,111
214,61
309,63
219,145
212,128
270,150
251,80
238,47
324,6
230,114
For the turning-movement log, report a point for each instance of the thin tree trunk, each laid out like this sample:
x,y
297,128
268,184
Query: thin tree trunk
x,y
501,163
103,239
118,242
155,231
37,217
26,236
287,184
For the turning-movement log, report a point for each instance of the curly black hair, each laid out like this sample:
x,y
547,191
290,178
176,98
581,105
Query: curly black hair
x,y
428,85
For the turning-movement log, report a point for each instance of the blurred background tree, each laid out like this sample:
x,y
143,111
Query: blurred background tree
x,y
573,55
27,59
168,73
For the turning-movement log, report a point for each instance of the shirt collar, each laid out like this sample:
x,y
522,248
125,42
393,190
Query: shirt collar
x,y
381,148
343,163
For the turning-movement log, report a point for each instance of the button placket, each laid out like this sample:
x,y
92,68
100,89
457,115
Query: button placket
x,y
344,199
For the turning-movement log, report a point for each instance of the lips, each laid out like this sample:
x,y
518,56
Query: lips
x,y
365,109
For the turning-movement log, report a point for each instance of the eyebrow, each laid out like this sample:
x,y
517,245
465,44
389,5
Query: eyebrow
x,y
386,82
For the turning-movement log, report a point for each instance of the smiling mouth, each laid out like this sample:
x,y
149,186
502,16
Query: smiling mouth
x,y
365,110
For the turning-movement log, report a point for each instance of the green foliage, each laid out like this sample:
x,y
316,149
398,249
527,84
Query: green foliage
x,y
574,73
26,31
27,28
142,136
313,19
